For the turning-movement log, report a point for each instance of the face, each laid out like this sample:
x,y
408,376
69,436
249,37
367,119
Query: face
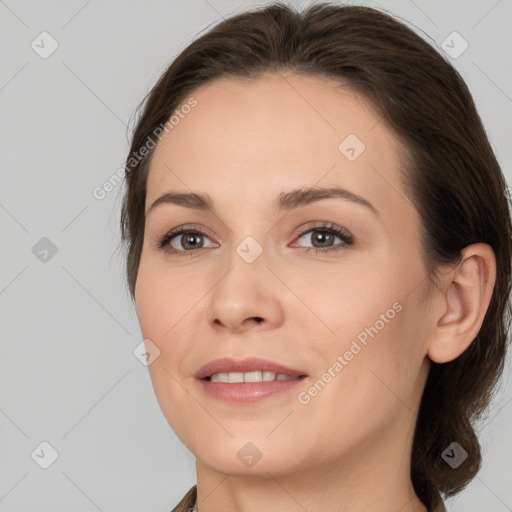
x,y
331,286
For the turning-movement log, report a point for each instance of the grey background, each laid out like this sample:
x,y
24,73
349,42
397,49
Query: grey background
x,y
68,373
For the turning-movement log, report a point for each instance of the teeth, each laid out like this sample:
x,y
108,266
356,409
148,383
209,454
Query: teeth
x,y
235,377
256,376
253,377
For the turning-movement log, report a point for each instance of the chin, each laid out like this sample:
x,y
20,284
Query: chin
x,y
243,456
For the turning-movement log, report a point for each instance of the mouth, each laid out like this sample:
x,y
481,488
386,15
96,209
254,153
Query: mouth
x,y
253,369
242,381
249,377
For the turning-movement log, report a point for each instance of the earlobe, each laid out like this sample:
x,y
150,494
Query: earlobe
x,y
467,294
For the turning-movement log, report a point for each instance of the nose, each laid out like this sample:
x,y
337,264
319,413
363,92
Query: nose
x,y
245,297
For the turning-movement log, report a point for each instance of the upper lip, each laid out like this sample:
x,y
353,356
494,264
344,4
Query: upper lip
x,y
228,365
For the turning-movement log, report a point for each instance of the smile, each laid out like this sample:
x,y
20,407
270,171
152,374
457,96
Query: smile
x,y
255,376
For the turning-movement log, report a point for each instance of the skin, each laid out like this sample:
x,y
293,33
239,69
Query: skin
x,y
349,447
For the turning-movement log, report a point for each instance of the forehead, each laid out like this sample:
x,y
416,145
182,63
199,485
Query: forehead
x,y
272,115
249,137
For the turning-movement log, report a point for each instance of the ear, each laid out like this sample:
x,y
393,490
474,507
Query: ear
x,y
464,296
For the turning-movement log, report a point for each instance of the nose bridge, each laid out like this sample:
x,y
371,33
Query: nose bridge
x,y
245,267
249,249
243,291
248,235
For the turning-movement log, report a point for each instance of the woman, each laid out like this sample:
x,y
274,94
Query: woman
x,y
319,253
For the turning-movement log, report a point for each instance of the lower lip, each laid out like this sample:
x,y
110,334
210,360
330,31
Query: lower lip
x,y
243,392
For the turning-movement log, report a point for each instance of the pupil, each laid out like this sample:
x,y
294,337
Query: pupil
x,y
325,236
187,239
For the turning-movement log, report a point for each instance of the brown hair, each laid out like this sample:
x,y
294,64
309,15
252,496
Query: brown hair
x,y
453,179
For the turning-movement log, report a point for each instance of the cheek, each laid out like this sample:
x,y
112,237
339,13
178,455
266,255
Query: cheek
x,y
162,320
160,301
159,310
374,349
351,304
164,315
374,382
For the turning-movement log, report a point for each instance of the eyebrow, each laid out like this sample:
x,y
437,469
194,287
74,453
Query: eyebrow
x,y
285,201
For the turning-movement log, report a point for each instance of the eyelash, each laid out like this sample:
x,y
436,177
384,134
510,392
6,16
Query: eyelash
x,y
347,239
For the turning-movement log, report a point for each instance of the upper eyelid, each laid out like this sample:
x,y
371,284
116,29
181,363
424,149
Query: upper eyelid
x,y
299,233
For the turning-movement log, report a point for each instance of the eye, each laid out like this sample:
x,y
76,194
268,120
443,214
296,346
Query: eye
x,y
324,235
183,240
186,241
